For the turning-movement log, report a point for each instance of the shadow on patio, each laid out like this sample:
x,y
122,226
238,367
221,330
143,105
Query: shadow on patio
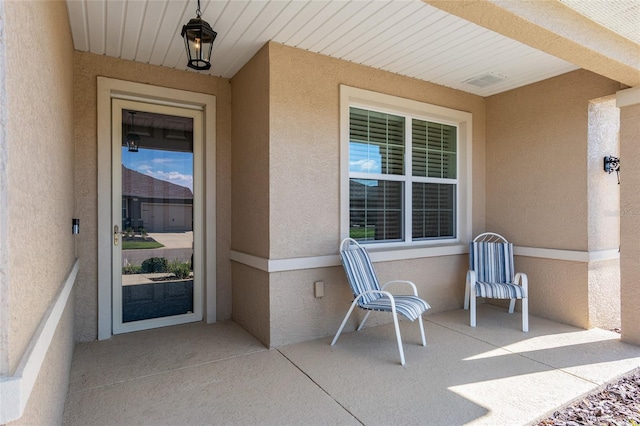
x,y
219,374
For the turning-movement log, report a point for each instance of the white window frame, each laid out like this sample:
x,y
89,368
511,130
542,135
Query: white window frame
x,y
365,99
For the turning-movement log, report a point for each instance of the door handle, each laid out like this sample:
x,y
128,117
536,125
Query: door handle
x,y
116,235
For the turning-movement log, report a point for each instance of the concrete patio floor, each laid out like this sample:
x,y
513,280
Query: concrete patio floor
x,y
219,374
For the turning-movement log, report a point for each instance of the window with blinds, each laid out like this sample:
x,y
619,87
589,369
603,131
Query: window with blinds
x,y
402,177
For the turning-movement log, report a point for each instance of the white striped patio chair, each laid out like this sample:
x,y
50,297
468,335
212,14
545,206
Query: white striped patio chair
x,y
491,275
369,296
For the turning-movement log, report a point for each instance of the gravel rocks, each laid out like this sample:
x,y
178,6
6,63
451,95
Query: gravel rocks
x,y
618,404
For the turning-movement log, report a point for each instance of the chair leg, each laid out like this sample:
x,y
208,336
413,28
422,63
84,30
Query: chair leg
x,y
469,282
472,303
398,336
525,315
424,341
364,320
466,295
344,322
512,305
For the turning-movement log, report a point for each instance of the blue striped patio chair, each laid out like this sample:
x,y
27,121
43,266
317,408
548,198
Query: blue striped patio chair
x,y
369,296
491,275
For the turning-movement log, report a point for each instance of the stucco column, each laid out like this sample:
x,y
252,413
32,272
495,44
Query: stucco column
x,y
629,103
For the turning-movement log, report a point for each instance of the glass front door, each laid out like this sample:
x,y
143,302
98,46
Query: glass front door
x,y
156,216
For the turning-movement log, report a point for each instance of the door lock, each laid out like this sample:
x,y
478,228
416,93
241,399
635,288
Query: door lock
x,y
116,235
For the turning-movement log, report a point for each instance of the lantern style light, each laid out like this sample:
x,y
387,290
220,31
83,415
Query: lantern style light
x,y
198,40
133,139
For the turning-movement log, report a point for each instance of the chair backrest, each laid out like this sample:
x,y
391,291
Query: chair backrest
x,y
490,237
492,260
359,270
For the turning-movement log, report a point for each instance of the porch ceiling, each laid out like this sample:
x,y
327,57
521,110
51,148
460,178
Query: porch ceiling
x,y
408,37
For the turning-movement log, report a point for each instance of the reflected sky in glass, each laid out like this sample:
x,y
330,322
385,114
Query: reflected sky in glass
x,y
364,158
171,166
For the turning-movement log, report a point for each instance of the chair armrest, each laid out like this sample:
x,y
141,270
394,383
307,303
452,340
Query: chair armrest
x,y
383,293
522,280
411,284
471,276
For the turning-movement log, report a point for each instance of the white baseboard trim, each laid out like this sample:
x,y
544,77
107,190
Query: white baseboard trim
x,y
282,265
15,390
570,255
314,262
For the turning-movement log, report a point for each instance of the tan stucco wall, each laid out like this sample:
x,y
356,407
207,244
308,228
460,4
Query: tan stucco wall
x,y
250,157
87,67
604,294
299,161
297,315
603,189
40,195
537,157
46,404
251,306
603,216
537,160
558,289
305,145
250,188
630,222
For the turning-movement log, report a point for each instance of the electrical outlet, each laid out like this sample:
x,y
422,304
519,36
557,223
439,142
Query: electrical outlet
x,y
318,288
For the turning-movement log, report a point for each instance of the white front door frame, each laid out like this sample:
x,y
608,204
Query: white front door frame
x,y
109,89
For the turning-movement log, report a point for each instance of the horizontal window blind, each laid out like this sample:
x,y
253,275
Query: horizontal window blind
x,y
433,210
433,149
377,141
375,210
377,146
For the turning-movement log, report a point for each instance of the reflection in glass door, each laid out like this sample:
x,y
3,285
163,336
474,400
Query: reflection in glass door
x,y
155,282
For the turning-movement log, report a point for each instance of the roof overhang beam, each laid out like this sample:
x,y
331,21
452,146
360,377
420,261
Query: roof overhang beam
x,y
556,29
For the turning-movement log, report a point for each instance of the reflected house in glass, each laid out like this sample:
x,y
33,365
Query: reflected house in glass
x,y
375,210
155,205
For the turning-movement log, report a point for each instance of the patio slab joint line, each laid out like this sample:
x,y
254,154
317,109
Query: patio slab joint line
x,y
166,372
320,387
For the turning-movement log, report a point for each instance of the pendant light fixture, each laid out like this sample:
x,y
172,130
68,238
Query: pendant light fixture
x,y
133,139
198,40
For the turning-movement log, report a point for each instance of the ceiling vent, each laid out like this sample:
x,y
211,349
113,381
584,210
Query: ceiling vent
x,y
485,80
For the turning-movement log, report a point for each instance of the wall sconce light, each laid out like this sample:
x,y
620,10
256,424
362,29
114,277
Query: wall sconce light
x,y
198,40
133,139
612,164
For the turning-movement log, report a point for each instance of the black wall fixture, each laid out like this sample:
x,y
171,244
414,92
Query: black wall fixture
x,y
612,164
